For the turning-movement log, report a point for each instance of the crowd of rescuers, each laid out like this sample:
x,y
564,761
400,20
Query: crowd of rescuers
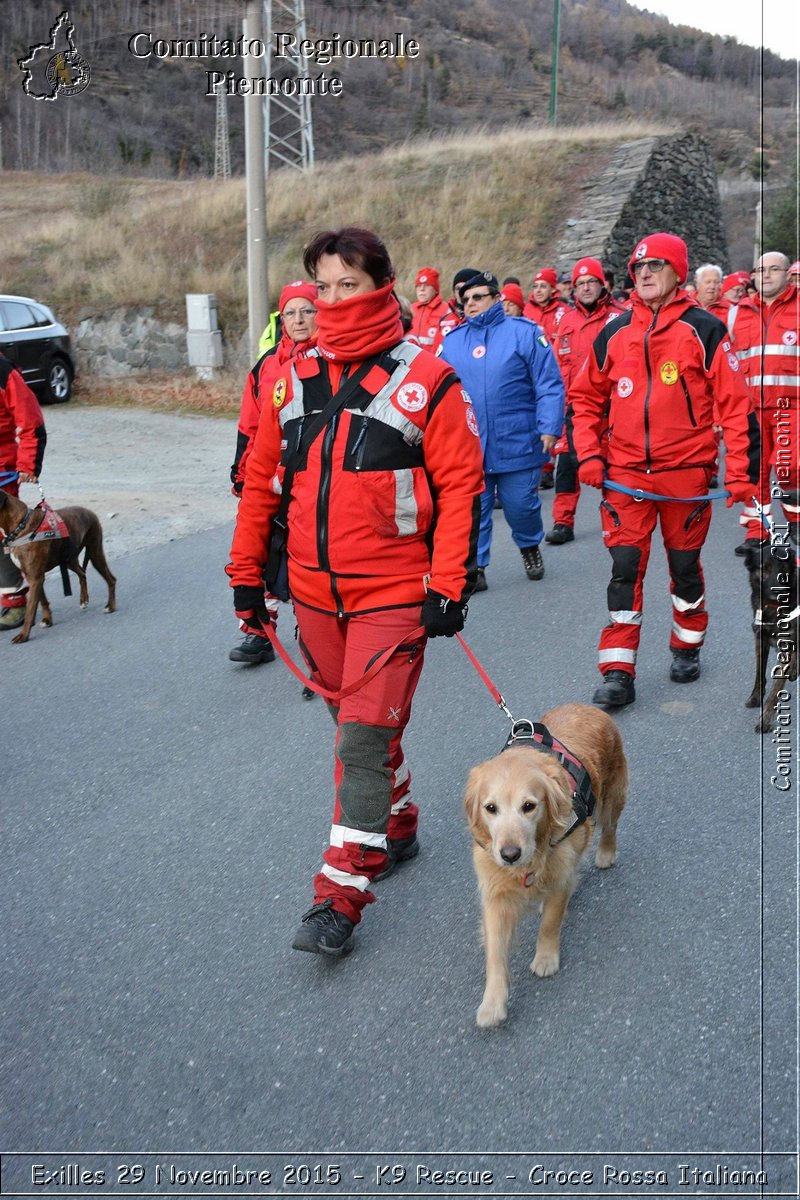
x,y
398,426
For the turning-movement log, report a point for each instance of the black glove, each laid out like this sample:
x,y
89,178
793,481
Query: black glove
x,y
442,617
251,607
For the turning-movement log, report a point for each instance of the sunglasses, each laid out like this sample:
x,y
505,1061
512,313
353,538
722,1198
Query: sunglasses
x,y
298,314
478,296
655,265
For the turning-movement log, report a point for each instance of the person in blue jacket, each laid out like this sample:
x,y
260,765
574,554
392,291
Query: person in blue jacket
x,y
511,375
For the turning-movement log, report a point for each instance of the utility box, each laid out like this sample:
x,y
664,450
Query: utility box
x,y
203,337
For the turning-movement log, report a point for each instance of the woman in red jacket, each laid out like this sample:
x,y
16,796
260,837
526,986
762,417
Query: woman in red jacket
x,y
298,312
382,530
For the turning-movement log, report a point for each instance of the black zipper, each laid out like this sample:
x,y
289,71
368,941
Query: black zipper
x,y
649,389
323,495
360,444
688,401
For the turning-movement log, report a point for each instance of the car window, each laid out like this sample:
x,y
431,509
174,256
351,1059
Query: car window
x,y
17,315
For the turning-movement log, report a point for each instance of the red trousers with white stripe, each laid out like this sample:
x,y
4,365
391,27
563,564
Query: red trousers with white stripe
x,y
780,454
628,526
371,778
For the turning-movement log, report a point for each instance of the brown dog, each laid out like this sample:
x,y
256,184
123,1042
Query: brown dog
x,y
519,806
37,558
775,599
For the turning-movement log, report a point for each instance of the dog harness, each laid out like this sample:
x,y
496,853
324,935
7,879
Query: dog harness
x,y
51,527
538,737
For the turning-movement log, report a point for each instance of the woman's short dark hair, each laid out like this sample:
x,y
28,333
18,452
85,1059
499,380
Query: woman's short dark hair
x,y
357,247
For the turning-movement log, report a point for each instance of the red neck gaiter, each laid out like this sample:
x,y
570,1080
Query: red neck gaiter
x,y
360,327
288,348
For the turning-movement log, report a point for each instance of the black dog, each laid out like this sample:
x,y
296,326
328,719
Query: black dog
x,y
775,596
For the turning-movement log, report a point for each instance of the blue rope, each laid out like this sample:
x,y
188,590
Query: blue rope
x,y
638,494
8,477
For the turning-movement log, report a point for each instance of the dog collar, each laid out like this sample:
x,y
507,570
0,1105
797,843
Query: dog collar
x,y
536,736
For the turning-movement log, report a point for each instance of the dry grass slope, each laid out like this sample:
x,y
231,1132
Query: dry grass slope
x,y
492,200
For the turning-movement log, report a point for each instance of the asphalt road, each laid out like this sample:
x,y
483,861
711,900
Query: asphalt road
x,y
164,811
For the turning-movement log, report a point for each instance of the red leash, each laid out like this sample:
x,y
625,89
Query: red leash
x,y
493,691
375,667
336,697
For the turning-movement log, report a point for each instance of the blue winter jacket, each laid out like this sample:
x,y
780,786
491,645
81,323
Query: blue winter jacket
x,y
512,377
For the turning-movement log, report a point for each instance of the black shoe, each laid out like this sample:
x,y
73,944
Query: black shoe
x,y
560,534
532,558
253,649
398,850
547,481
480,581
616,690
748,544
308,693
325,931
685,666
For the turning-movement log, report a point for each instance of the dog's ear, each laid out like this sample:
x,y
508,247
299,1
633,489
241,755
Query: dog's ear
x,y
557,804
472,795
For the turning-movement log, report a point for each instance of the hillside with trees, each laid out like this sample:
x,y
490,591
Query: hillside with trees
x,y
483,64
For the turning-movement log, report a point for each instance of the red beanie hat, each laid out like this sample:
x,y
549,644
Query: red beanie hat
x,y
548,275
299,290
663,245
513,292
734,280
428,275
588,267
794,269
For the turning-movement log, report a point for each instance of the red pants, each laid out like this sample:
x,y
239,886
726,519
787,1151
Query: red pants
x,y
13,588
780,453
628,526
372,781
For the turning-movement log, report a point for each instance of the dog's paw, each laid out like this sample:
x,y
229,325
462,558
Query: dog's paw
x,y
46,623
84,606
546,963
491,1013
753,701
605,857
763,726
20,637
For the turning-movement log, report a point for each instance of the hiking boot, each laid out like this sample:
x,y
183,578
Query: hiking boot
x,y
12,618
532,558
547,481
308,693
253,649
323,930
748,544
560,534
398,850
616,690
685,666
480,581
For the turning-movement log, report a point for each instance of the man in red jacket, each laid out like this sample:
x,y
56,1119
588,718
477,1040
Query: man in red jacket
x,y
579,326
429,310
644,404
768,347
22,443
544,305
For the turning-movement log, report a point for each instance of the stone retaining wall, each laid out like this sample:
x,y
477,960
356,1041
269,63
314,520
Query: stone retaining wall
x,y
650,184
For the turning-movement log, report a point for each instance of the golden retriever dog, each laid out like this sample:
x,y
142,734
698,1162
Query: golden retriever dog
x,y
519,806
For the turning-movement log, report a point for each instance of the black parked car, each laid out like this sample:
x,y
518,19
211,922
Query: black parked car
x,y
38,345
